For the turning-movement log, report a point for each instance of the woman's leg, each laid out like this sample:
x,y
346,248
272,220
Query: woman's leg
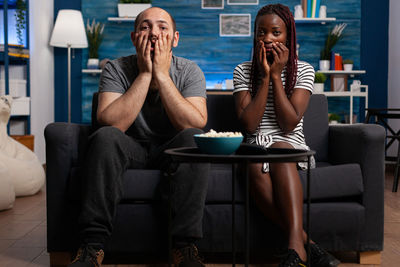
x,y
262,193
288,196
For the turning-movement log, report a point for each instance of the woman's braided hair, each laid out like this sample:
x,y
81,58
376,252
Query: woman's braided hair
x,y
291,67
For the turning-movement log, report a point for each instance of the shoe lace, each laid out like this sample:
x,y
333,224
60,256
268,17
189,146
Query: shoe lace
x,y
194,253
178,256
88,253
190,252
291,260
316,250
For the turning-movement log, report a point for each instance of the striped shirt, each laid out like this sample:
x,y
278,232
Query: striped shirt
x,y
269,132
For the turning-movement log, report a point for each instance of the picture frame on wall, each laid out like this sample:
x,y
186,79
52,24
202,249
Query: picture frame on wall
x,y
242,2
212,4
234,25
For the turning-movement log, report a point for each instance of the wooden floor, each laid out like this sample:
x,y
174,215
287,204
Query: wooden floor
x,y
23,233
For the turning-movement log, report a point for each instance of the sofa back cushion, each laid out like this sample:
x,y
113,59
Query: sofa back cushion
x,y
221,114
316,126
222,118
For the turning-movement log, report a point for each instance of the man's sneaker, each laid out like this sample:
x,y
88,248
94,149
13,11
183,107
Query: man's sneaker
x,y
292,259
187,257
321,258
88,256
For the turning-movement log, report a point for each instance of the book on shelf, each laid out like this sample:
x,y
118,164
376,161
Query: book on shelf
x,y
338,62
332,67
313,8
16,50
317,6
304,6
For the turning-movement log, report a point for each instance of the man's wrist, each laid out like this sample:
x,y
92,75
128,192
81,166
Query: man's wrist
x,y
145,75
161,77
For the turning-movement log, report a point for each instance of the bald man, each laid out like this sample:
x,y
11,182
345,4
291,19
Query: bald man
x,y
148,102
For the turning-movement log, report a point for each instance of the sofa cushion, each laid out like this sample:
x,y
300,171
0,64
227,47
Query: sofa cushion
x,y
222,117
316,126
138,184
334,181
327,182
338,223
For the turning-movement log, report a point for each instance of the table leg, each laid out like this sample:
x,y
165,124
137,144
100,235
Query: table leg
x,y
396,170
367,116
233,215
308,210
246,222
169,172
351,110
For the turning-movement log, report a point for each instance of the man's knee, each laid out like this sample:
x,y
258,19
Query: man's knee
x,y
186,136
106,136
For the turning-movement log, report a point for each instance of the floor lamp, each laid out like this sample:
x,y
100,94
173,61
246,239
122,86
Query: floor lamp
x,y
69,32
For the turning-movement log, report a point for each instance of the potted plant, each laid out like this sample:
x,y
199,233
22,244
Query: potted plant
x,y
348,65
20,17
94,32
334,118
132,8
319,81
333,37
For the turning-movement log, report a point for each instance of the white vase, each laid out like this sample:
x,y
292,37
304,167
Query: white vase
x,y
322,12
318,88
298,12
348,67
131,10
324,65
93,63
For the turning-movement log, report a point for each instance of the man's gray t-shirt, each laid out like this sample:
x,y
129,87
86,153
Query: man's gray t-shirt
x,y
152,124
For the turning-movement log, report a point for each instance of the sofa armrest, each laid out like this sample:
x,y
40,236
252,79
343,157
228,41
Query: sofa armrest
x,y
65,147
364,144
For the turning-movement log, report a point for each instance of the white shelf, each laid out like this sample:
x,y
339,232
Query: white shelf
x,y
314,20
351,95
121,19
92,71
353,72
345,93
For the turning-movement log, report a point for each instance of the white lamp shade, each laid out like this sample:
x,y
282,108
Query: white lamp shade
x,y
69,30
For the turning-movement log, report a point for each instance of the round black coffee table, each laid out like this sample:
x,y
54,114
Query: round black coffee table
x,y
246,154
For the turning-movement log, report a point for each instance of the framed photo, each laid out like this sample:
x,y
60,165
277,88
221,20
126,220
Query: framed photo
x,y
242,2
212,4
234,25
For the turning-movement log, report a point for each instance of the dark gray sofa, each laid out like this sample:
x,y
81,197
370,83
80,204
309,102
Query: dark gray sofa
x,y
347,190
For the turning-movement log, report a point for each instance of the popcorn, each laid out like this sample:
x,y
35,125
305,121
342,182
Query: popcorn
x,y
213,133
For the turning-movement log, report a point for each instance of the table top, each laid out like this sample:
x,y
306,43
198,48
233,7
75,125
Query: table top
x,y
387,113
246,152
382,109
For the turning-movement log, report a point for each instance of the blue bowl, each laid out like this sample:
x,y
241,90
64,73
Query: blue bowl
x,y
218,145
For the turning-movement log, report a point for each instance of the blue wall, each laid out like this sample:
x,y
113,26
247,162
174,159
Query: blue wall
x,y
374,50
217,56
